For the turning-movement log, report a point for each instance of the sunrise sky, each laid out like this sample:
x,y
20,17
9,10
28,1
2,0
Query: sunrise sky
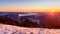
x,y
30,5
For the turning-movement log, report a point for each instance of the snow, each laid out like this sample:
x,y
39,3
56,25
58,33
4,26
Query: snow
x,y
9,29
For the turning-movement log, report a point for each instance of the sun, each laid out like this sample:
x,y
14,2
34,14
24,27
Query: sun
x,y
53,10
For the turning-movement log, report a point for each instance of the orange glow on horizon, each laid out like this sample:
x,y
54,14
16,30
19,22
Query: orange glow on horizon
x,y
28,10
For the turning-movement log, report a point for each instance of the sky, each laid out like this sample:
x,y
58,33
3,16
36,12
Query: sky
x,y
29,5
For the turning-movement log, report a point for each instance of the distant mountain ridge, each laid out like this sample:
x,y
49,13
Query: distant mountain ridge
x,y
14,19
34,20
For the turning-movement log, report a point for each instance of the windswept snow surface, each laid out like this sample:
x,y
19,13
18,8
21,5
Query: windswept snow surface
x,y
9,29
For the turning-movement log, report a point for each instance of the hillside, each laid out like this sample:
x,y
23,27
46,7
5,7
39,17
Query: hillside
x,y
31,20
9,29
26,23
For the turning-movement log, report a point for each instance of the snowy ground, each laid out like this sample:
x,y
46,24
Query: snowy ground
x,y
9,29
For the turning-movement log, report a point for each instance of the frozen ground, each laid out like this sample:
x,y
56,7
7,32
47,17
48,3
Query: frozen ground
x,y
9,29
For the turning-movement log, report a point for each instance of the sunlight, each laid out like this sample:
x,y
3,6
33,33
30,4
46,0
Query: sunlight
x,y
52,13
53,10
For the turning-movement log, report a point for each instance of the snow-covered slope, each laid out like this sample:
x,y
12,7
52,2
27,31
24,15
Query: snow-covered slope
x,y
9,29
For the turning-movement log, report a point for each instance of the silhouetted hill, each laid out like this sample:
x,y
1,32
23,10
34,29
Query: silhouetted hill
x,y
26,23
46,21
8,21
